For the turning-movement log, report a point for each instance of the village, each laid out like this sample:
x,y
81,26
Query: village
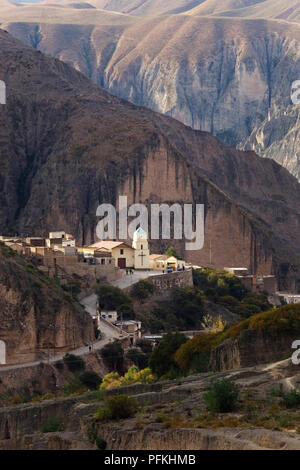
x,y
122,264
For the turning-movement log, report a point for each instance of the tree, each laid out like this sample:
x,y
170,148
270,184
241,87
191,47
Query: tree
x,y
113,356
142,289
222,396
171,252
145,345
138,358
162,358
90,379
112,298
74,363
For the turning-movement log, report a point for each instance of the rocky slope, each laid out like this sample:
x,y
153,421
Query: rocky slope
x,y
231,77
171,416
35,315
66,146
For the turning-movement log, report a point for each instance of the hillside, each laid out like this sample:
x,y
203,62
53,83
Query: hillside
x,y
35,314
231,77
288,10
67,145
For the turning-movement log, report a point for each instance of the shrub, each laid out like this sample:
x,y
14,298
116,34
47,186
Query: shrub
x,y
90,379
74,363
291,399
145,345
132,376
16,400
121,406
110,380
162,357
112,298
74,387
222,396
101,443
113,356
138,358
118,407
142,289
52,425
59,365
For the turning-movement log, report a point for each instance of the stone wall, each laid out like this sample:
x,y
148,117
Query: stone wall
x,y
165,283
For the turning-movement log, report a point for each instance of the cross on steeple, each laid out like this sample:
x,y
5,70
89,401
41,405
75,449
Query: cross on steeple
x,y
142,256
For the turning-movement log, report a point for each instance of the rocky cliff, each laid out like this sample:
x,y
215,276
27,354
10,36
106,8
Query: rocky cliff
x,y
250,348
66,146
35,315
231,77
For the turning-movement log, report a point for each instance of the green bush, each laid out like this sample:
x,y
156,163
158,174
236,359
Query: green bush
x,y
121,406
74,387
162,358
117,407
101,443
145,345
222,396
142,289
74,363
138,358
90,379
113,356
291,399
112,298
52,425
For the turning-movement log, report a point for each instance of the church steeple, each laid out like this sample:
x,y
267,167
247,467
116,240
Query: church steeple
x,y
142,254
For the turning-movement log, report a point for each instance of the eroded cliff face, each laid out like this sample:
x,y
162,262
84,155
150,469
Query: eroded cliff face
x,y
36,316
250,348
68,146
230,77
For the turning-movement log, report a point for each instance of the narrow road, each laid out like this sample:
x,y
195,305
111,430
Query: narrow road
x,y
90,305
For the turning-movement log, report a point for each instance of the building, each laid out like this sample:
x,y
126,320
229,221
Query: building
x,y
289,298
122,253
255,283
165,263
136,256
132,328
111,316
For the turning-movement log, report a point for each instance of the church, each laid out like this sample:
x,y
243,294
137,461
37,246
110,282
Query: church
x,y
135,256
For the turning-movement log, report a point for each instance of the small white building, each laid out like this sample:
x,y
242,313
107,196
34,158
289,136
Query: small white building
x,y
110,315
164,263
289,298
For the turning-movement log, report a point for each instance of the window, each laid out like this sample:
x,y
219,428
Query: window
x,y
103,261
141,247
121,251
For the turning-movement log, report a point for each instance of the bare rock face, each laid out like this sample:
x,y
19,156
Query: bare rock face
x,y
250,348
229,77
35,315
67,146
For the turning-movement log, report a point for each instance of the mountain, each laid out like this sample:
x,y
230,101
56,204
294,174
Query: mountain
x,y
66,146
288,10
231,77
